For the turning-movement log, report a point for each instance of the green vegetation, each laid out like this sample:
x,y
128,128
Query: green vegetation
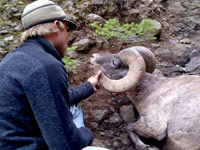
x,y
113,29
73,48
1,21
70,64
6,11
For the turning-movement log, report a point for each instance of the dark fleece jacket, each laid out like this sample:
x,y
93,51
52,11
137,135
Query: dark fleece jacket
x,y
35,100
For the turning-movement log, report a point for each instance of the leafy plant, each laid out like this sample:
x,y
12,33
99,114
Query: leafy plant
x,y
69,62
112,28
73,48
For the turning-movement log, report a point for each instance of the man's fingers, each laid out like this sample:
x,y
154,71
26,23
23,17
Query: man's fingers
x,y
98,74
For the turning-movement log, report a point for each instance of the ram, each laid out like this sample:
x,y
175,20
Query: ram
x,y
169,108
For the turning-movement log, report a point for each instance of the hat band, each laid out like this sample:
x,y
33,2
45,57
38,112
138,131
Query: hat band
x,y
37,8
44,21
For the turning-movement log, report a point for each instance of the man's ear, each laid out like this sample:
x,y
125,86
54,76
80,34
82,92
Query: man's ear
x,y
56,25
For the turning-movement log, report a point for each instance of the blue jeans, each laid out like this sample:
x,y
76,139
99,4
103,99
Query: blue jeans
x,y
78,121
77,116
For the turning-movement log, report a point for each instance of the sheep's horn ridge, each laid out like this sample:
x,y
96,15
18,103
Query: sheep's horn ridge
x,y
148,57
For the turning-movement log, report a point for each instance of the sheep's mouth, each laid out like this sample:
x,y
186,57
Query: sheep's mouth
x,y
93,59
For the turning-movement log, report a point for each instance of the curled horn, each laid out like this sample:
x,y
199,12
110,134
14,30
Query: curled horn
x,y
148,57
134,76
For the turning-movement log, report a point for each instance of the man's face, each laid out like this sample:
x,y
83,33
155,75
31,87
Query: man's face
x,y
62,40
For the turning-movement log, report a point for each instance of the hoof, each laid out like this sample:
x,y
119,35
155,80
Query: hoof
x,y
142,147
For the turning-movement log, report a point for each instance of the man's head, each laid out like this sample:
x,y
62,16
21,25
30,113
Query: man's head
x,y
43,11
45,18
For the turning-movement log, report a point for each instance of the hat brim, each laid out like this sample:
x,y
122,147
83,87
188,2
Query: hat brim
x,y
72,25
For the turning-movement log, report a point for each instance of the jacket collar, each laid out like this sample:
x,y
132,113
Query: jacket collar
x,y
46,45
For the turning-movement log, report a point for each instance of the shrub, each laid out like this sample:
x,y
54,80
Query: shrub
x,y
70,63
112,28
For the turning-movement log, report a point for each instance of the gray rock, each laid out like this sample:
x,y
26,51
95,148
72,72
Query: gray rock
x,y
127,113
131,15
93,17
157,27
97,2
18,28
14,10
115,119
10,38
86,8
4,32
18,15
164,54
2,44
6,27
102,44
176,53
69,4
113,10
193,65
176,7
98,143
116,144
181,54
72,54
94,125
193,54
99,115
82,44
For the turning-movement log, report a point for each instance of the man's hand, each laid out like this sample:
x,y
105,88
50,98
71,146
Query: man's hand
x,y
94,80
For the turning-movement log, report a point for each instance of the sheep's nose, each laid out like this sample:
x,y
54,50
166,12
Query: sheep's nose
x,y
93,57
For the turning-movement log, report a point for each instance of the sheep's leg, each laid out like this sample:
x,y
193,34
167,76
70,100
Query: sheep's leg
x,y
153,125
139,145
149,128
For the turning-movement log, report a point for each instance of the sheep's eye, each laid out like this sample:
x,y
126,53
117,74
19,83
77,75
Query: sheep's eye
x,y
115,63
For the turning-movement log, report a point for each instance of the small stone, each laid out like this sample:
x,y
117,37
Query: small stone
x,y
2,32
18,28
102,133
115,119
94,124
116,144
82,45
185,41
97,2
72,54
194,53
99,115
2,44
10,38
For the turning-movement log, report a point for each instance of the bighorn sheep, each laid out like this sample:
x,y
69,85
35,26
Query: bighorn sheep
x,y
169,108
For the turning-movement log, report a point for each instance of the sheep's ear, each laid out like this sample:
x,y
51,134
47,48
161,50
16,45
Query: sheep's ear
x,y
134,76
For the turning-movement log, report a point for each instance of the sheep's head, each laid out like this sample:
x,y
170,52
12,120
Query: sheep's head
x,y
124,70
110,64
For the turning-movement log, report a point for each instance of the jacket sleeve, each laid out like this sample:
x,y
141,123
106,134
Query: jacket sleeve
x,y
80,92
47,92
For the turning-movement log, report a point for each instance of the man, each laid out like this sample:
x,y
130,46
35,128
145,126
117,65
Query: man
x,y
35,100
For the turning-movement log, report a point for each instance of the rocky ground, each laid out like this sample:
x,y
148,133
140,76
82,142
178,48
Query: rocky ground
x,y
177,51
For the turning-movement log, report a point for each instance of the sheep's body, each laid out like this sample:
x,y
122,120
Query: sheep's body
x,y
169,108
